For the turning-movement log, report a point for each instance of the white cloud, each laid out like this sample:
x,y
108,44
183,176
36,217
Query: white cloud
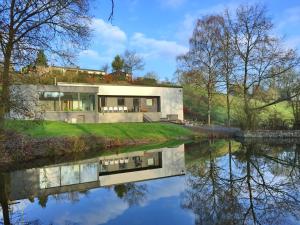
x,y
89,53
107,32
100,211
151,47
107,41
185,28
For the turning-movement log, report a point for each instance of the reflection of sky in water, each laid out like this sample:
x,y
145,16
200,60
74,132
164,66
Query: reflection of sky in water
x,y
102,206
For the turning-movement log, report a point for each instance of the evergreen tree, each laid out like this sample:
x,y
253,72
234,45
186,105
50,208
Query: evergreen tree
x,y
117,64
41,59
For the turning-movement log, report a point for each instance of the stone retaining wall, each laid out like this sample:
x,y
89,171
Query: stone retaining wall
x,y
270,134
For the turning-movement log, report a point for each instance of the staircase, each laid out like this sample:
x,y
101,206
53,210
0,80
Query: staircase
x,y
146,119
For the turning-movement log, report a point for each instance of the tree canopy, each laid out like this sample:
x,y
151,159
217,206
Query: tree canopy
x,y
132,61
41,59
117,64
238,49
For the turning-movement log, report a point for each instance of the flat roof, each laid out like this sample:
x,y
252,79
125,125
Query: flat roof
x,y
114,84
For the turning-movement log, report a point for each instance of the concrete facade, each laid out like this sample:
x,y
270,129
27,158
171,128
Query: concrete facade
x,y
167,102
120,117
171,98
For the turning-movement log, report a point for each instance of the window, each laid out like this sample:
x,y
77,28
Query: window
x,y
70,101
149,102
121,101
136,104
67,101
103,101
87,101
49,101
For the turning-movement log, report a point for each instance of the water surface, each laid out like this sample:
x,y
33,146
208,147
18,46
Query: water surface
x,y
210,182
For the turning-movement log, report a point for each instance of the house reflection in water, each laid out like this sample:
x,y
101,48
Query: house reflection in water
x,y
96,172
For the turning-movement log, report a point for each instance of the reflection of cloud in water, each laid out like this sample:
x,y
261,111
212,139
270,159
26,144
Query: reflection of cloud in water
x,y
165,188
101,210
96,211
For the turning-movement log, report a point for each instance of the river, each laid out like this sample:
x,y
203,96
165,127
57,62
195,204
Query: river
x,y
206,182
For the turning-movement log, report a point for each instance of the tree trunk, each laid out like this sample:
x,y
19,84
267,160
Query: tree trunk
x,y
4,200
208,106
5,94
249,118
228,103
296,112
247,111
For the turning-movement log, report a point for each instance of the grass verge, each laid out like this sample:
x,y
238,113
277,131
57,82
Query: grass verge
x,y
121,131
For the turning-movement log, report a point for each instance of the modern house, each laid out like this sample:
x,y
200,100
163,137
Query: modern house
x,y
106,103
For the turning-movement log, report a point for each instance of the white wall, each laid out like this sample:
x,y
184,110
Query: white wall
x,y
171,98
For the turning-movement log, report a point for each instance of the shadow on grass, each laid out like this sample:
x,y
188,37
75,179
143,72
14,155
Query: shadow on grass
x,y
82,128
124,132
24,125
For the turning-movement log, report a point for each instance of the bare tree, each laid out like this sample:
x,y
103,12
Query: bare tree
x,y
228,64
105,68
204,55
260,56
132,61
58,26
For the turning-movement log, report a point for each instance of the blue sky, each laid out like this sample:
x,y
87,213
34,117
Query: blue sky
x,y
159,30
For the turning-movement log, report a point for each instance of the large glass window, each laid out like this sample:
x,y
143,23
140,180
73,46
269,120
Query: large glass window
x,y
129,104
87,101
70,102
49,101
67,101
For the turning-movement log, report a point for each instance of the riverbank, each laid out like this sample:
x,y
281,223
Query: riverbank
x,y
269,134
28,140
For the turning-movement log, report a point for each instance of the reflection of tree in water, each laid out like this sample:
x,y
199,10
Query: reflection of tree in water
x,y
212,201
71,196
10,212
251,186
132,193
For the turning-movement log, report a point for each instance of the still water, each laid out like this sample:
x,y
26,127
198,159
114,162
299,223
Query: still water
x,y
209,182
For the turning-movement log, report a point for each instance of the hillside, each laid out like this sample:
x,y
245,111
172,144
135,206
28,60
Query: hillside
x,y
195,108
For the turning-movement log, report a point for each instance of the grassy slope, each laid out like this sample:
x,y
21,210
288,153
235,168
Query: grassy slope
x,y
120,131
194,99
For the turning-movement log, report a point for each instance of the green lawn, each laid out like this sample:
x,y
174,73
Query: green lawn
x,y
155,131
